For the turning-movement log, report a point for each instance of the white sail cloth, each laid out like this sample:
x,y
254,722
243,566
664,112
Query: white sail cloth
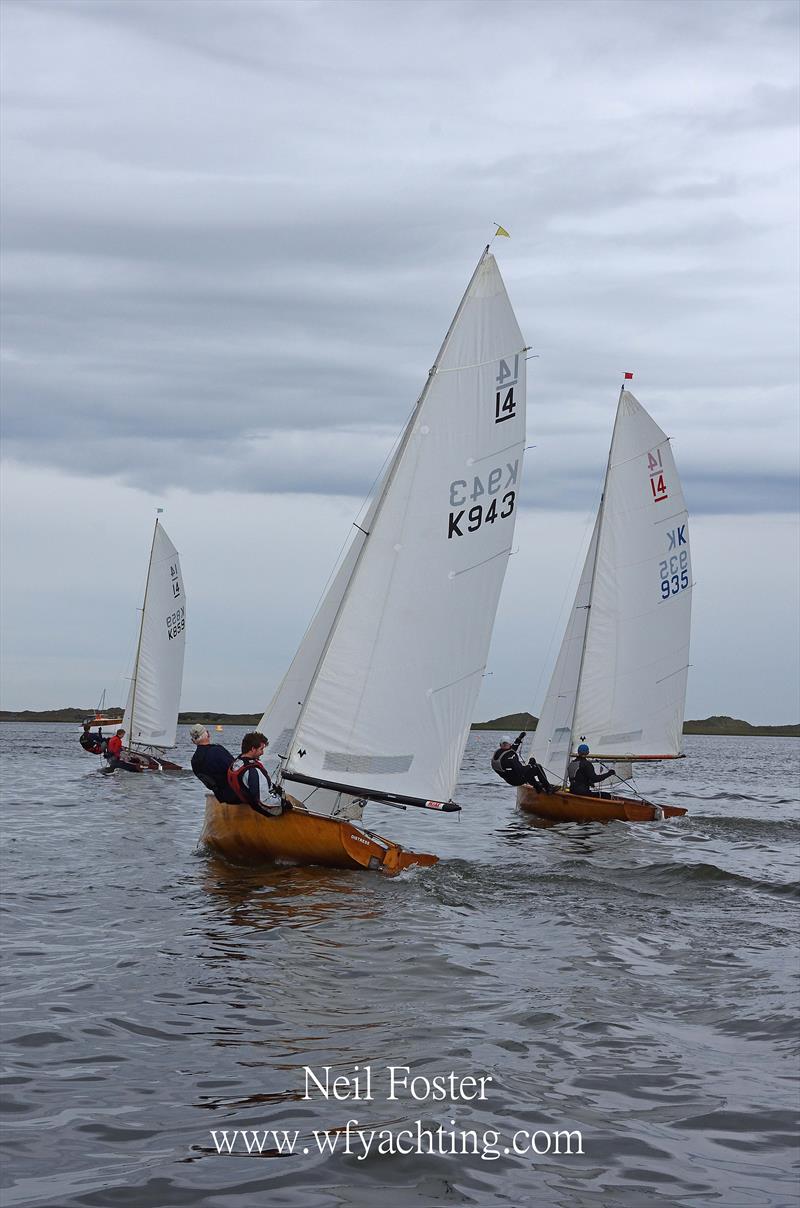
x,y
620,678
151,714
387,677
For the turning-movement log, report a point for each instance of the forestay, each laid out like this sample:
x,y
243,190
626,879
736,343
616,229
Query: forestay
x,y
629,687
399,645
151,714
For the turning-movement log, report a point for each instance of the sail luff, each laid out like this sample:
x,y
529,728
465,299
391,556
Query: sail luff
x,y
128,721
383,492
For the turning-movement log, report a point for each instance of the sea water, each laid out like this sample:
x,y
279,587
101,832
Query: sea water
x,y
568,1017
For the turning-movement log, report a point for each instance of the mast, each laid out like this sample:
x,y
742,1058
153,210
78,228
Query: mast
x,y
388,480
600,515
141,630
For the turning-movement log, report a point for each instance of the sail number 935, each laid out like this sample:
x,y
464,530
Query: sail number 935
x,y
674,574
466,519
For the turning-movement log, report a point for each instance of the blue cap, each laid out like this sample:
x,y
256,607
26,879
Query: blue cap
x,y
583,749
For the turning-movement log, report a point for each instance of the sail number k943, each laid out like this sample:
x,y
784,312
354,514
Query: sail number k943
x,y
497,501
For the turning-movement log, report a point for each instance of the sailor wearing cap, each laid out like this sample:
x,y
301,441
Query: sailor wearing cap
x,y
210,764
509,767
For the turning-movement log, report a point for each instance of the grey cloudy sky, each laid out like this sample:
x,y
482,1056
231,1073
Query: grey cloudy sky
x,y
234,234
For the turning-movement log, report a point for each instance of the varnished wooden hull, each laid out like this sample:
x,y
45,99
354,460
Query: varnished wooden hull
x,y
298,837
563,806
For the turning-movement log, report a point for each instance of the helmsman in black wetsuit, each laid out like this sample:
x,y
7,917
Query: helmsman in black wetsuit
x,y
509,767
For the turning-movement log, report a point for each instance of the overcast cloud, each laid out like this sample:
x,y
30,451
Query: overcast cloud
x,y
235,233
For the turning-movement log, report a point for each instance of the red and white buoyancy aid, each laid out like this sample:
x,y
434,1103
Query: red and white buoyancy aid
x,y
236,773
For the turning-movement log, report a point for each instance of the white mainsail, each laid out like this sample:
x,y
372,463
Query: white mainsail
x,y
619,682
380,696
151,714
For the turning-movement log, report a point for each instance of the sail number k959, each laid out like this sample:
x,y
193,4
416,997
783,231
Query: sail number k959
x,y
176,622
468,515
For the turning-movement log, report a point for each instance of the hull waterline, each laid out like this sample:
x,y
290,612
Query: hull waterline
x,y
563,806
298,837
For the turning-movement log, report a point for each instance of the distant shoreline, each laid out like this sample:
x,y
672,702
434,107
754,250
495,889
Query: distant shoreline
x,y
512,722
733,727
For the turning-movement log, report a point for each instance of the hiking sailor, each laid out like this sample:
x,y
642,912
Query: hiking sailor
x,y
509,767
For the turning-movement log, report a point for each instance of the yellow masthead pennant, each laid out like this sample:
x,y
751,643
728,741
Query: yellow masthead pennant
x,y
501,231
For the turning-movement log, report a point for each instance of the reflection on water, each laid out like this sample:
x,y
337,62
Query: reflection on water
x,y
282,895
634,982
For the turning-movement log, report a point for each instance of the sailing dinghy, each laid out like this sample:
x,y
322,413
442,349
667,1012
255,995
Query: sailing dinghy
x,y
377,704
619,682
99,727
151,713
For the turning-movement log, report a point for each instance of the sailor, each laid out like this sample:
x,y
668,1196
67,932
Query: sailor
x,y
93,743
210,764
250,780
509,767
115,757
114,745
581,773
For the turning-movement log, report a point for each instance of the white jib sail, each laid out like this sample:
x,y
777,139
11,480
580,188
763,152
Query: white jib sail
x,y
151,714
551,738
399,668
631,685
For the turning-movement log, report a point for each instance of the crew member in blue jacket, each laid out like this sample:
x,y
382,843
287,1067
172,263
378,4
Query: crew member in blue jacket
x,y
210,764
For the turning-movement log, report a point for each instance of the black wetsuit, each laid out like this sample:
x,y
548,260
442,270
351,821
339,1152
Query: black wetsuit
x,y
585,778
509,767
210,764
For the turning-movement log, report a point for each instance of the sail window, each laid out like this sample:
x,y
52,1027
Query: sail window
x,y
378,765
631,736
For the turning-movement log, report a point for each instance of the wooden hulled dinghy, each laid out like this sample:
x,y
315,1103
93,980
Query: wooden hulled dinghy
x,y
150,720
376,706
619,683
298,837
563,806
151,712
